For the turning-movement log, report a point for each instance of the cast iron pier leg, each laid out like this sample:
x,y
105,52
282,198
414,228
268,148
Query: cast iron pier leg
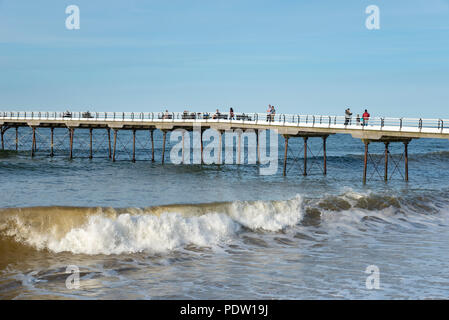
x,y
305,156
406,160
285,156
109,140
72,133
33,142
115,144
17,138
365,166
51,141
324,156
134,145
163,146
91,150
152,145
386,162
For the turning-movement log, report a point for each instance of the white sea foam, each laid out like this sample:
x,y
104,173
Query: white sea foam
x,y
129,233
270,216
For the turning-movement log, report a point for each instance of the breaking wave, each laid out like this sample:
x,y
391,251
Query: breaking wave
x,y
164,228
155,229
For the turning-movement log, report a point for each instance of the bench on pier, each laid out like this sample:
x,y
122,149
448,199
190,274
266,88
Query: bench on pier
x,y
186,115
243,117
220,116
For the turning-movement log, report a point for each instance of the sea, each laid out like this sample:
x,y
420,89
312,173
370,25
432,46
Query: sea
x,y
86,228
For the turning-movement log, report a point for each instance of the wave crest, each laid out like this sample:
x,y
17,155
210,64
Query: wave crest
x,y
155,229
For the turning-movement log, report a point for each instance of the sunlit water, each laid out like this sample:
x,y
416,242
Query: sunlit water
x,y
150,231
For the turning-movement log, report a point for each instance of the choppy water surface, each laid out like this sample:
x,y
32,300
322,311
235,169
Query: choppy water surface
x,y
147,231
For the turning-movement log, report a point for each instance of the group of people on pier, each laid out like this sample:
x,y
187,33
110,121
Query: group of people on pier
x,y
271,112
364,119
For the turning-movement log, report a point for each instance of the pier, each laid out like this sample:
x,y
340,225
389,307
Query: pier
x,y
386,131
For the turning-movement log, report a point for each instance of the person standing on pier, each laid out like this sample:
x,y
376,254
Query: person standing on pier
x,y
270,108
365,117
217,115
348,115
273,113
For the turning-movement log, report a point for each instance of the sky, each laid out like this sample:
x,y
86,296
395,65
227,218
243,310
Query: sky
x,y
304,57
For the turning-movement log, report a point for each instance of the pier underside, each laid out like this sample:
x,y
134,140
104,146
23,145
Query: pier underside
x,y
287,133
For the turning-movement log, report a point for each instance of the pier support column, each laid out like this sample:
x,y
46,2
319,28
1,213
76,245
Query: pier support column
x,y
134,145
109,140
91,149
152,145
305,155
386,161
115,145
365,166
284,172
182,149
51,141
163,145
201,142
406,160
220,137
2,133
239,147
257,146
324,156
72,134
33,143
17,138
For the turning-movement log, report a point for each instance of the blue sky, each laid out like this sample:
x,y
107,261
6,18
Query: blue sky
x,y
307,57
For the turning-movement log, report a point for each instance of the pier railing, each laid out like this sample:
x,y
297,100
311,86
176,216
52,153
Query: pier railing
x,y
323,121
